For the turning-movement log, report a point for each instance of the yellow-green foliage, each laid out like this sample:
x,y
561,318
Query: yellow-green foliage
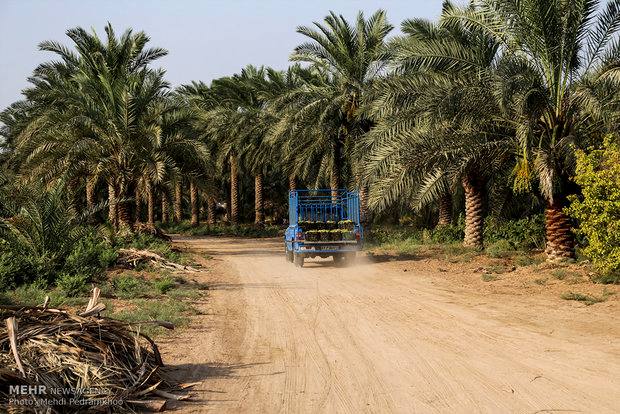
x,y
598,174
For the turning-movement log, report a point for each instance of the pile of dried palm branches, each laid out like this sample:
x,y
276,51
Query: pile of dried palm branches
x,y
131,258
83,361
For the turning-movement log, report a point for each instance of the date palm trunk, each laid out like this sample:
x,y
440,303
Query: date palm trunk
x,y
234,191
124,214
335,180
560,239
112,205
138,207
90,193
292,182
150,204
210,210
259,211
165,203
445,210
178,195
474,211
193,200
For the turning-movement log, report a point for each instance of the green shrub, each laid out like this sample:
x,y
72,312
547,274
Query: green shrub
x,y
72,285
90,256
164,284
450,233
598,212
128,286
526,233
500,248
32,294
587,299
17,269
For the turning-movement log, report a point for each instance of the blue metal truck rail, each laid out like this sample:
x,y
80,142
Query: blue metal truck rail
x,y
322,207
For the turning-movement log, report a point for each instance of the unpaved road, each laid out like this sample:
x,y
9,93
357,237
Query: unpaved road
x,y
372,338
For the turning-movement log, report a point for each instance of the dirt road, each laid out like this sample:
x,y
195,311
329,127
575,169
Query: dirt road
x,y
374,338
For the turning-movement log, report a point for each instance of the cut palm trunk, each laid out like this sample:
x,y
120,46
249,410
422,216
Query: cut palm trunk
x,y
178,194
560,239
474,213
234,191
193,200
259,214
445,210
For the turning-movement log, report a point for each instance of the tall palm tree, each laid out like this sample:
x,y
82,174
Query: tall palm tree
x,y
436,122
324,111
560,68
100,96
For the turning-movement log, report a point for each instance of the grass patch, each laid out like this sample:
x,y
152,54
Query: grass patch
x,y
587,299
488,277
164,284
522,260
560,274
128,286
500,249
499,269
34,295
169,310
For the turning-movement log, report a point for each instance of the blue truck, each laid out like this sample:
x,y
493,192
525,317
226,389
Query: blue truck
x,y
323,223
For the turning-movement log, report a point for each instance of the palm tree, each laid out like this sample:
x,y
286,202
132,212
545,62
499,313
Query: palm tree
x,y
100,98
324,111
558,72
436,122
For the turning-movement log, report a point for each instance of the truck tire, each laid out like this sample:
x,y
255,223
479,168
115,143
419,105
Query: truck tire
x,y
289,256
299,260
338,259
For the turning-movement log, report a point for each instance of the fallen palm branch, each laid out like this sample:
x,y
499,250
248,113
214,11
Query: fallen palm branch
x,y
134,257
74,362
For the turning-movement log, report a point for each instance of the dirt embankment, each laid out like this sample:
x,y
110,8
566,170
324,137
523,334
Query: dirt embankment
x,y
419,336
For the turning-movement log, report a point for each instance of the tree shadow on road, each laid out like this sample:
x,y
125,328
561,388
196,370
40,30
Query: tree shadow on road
x,y
201,394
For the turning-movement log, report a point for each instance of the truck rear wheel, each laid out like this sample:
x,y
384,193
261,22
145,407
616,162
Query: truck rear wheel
x,y
289,256
299,260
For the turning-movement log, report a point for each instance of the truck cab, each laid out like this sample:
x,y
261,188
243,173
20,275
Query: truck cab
x,y
323,223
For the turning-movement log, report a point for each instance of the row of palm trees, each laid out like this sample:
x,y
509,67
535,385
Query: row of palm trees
x,y
497,94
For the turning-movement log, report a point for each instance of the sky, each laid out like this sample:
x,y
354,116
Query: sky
x,y
205,39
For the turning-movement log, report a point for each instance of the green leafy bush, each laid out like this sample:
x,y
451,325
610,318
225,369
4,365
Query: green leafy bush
x,y
449,233
17,269
526,233
43,237
598,212
500,248
90,256
128,286
164,284
72,285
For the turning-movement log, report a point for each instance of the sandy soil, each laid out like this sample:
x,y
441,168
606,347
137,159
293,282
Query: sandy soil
x,y
410,336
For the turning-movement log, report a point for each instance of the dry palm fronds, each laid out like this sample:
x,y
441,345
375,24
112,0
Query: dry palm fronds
x,y
84,362
132,257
